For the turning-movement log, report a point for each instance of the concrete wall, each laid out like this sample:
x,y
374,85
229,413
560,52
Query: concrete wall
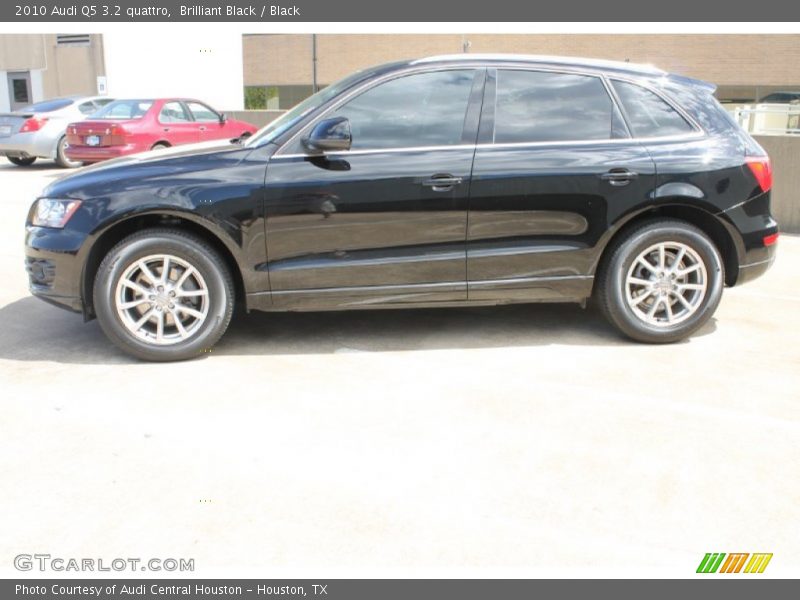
x,y
785,154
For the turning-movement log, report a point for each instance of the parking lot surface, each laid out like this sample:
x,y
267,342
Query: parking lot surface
x,y
481,441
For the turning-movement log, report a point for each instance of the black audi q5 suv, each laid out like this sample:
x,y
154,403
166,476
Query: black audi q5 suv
x,y
446,181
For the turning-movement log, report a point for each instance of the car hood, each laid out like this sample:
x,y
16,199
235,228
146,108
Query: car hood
x,y
84,182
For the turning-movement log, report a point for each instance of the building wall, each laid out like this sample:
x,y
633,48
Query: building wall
x,y
55,69
746,62
72,70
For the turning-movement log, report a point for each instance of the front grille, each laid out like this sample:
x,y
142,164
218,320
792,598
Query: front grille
x,y
40,271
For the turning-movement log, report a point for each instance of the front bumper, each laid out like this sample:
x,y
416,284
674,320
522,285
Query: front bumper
x,y
53,267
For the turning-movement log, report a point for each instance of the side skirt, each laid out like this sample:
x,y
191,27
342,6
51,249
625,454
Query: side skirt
x,y
478,293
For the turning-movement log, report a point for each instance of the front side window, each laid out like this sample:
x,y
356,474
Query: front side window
x,y
425,109
649,115
538,106
202,113
173,112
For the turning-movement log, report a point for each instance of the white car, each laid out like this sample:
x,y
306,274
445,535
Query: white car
x,y
39,130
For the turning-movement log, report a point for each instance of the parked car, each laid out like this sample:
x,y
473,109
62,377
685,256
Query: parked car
x,y
39,130
780,98
129,126
448,181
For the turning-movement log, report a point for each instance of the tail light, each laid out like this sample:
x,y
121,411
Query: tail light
x,y
32,124
117,135
770,240
761,167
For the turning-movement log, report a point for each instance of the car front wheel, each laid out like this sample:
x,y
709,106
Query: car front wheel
x,y
163,295
661,282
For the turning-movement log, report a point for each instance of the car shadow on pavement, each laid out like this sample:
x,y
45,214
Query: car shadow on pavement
x,y
31,330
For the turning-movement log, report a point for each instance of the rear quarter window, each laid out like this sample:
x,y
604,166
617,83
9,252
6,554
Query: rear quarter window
x,y
648,114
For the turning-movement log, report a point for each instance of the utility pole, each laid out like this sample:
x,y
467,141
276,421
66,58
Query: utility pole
x,y
314,63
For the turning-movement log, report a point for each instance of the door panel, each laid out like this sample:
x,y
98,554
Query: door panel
x,y
359,220
553,169
538,212
176,125
377,223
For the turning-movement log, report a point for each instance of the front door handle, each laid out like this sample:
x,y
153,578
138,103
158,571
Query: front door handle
x,y
442,182
619,176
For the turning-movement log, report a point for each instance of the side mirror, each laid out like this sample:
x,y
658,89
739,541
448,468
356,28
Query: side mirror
x,y
222,118
330,135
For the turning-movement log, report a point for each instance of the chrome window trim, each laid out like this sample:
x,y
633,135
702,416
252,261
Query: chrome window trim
x,y
698,132
487,146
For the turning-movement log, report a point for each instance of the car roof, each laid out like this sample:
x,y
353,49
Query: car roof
x,y
544,60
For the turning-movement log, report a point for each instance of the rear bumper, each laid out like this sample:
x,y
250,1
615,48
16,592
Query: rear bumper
x,y
91,154
27,145
750,271
750,223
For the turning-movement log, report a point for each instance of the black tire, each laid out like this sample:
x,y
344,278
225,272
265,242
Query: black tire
x,y
61,157
160,146
611,291
22,162
186,247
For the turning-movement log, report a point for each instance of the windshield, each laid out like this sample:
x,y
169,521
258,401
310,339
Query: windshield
x,y
48,105
288,119
124,109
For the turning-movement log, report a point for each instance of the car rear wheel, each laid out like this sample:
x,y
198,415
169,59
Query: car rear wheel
x,y
160,146
22,162
163,294
61,157
661,282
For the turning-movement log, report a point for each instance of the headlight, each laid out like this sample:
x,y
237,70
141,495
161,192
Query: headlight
x,y
49,212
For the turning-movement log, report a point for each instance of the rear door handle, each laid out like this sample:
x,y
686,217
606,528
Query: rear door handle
x,y
619,176
442,182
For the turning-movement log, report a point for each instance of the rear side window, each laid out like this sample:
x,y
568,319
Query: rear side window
x,y
648,115
87,108
426,109
537,106
124,109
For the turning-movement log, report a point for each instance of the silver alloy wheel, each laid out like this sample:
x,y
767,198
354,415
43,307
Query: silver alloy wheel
x,y
666,284
162,299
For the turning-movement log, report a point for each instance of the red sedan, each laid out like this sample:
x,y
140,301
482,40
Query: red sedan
x,y
128,126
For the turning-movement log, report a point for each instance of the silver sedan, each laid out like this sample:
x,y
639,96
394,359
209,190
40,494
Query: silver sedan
x,y
38,130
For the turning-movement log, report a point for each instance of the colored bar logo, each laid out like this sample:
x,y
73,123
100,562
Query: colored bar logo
x,y
714,562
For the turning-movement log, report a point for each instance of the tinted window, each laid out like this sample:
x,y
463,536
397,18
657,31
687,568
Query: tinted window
x,y
124,109
427,109
173,112
648,114
535,106
87,108
48,105
202,113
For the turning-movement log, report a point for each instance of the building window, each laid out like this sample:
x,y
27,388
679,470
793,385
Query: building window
x,y
73,39
275,97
